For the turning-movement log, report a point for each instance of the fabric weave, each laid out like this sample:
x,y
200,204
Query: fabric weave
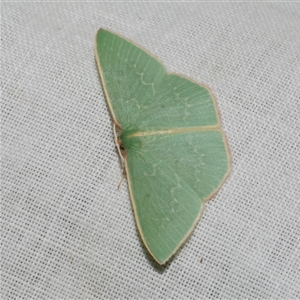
x,y
67,232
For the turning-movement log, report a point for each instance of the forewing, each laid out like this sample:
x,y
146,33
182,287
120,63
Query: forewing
x,y
142,96
170,176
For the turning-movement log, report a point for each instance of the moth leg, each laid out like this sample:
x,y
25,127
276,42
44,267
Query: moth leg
x,y
118,143
122,178
121,151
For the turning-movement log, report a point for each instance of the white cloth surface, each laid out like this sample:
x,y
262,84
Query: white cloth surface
x,y
67,232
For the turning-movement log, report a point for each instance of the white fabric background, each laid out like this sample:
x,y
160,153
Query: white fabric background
x,y
67,232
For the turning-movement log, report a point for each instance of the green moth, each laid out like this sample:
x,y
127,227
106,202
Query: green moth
x,y
175,154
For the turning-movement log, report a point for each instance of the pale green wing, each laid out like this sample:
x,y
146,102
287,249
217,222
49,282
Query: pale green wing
x,y
142,96
170,176
176,154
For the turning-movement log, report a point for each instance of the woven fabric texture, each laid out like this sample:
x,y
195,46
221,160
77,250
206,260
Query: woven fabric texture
x,y
67,232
